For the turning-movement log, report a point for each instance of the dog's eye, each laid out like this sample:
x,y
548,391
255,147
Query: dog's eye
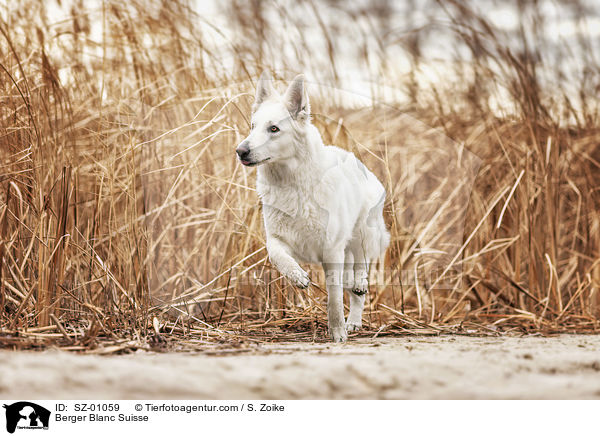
x,y
274,129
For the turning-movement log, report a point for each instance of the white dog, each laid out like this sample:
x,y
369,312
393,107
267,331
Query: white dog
x,y
320,203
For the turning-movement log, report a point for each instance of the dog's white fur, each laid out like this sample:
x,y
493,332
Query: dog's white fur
x,y
320,203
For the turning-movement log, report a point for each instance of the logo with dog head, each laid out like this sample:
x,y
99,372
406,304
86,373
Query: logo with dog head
x,y
26,415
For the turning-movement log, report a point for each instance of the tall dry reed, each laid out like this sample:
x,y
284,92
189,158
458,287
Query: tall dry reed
x,y
121,202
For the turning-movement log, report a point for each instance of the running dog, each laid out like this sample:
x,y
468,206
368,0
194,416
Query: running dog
x,y
320,204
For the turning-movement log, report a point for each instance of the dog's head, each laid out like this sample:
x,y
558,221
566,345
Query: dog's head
x,y
277,122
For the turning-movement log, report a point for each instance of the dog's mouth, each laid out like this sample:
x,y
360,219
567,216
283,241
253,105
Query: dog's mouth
x,y
253,164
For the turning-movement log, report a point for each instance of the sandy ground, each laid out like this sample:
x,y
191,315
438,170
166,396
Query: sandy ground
x,y
452,367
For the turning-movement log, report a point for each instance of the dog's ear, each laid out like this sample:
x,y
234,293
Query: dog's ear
x,y
264,88
296,99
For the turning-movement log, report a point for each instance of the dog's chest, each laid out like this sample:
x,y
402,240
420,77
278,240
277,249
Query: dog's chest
x,y
295,216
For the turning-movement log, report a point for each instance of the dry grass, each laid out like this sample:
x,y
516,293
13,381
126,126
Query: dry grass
x,y
125,218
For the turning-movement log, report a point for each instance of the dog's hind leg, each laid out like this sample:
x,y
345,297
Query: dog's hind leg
x,y
361,278
354,321
360,267
348,269
357,304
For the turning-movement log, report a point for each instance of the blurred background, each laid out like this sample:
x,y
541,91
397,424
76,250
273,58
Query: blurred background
x,y
124,213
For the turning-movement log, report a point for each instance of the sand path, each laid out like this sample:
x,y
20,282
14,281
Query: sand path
x,y
452,367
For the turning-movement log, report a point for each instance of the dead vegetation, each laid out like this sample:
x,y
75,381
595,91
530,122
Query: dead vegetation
x,y
126,222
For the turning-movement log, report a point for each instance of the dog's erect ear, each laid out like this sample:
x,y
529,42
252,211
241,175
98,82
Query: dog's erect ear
x,y
264,88
296,99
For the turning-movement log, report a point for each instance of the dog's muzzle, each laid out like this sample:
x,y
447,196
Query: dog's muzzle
x,y
243,152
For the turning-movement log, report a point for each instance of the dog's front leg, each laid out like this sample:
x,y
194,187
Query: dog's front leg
x,y
334,271
281,258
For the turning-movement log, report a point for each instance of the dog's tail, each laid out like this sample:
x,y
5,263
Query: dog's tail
x,y
380,236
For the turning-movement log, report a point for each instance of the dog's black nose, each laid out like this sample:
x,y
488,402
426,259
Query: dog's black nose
x,y
243,150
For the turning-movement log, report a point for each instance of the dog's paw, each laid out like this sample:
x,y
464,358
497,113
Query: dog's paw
x,y
338,334
353,326
361,286
360,291
299,278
